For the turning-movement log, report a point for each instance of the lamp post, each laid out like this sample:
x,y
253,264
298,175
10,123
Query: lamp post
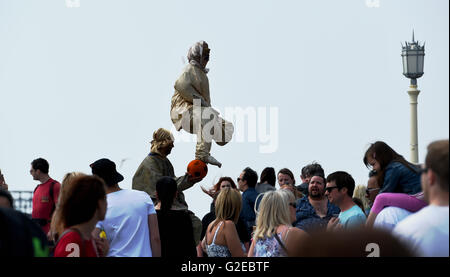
x,y
412,57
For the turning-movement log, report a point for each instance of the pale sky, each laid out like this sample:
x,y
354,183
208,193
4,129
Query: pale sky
x,y
83,83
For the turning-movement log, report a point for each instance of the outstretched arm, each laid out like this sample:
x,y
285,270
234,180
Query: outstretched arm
x,y
3,184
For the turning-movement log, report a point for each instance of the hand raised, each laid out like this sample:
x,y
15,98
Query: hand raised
x,y
193,179
333,224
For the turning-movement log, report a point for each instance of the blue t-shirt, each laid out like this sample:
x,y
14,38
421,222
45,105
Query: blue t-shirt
x,y
353,217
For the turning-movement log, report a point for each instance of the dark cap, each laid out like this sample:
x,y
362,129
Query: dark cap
x,y
106,170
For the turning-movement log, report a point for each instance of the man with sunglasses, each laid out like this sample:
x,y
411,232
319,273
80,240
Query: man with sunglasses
x,y
339,190
427,231
313,211
246,184
372,189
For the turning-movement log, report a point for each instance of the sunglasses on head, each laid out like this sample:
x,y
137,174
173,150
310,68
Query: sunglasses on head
x,y
368,191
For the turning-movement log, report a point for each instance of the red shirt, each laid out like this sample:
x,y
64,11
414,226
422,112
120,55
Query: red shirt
x,y
42,204
72,245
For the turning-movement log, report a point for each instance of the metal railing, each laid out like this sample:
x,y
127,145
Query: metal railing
x,y
23,200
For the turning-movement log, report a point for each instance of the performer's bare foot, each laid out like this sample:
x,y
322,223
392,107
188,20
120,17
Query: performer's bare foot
x,y
211,160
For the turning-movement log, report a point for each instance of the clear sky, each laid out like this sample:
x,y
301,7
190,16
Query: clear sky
x,y
82,83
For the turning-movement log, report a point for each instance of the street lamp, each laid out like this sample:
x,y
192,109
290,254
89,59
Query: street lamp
x,y
412,57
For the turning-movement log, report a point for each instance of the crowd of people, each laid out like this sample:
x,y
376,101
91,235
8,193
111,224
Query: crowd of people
x,y
403,209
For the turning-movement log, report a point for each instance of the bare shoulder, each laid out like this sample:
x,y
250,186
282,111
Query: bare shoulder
x,y
229,226
297,234
295,241
228,223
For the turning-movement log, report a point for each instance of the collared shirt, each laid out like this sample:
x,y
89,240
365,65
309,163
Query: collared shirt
x,y
307,218
248,207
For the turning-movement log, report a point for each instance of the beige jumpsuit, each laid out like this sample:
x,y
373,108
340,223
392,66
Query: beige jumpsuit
x,y
202,121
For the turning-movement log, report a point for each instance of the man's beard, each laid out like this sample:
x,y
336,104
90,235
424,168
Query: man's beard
x,y
316,194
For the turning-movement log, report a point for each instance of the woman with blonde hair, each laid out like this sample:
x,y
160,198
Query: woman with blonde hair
x,y
221,238
274,235
360,193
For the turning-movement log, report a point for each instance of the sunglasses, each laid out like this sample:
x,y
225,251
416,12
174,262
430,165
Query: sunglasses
x,y
330,189
368,191
293,204
239,179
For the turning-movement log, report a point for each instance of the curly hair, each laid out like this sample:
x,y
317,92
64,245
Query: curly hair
x,y
161,138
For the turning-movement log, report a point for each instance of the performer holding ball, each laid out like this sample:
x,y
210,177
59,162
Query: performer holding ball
x,y
155,166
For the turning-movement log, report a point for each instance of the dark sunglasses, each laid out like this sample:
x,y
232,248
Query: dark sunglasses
x,y
293,204
368,191
330,189
238,179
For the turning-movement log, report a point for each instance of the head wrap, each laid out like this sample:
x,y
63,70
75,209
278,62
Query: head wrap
x,y
194,55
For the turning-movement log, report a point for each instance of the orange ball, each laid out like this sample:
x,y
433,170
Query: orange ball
x,y
197,169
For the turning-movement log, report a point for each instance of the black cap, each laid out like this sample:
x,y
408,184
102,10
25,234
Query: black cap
x,y
106,170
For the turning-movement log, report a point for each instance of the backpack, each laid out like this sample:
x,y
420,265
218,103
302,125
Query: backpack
x,y
20,236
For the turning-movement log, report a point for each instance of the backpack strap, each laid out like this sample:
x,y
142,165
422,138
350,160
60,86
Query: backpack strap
x,y
281,243
52,185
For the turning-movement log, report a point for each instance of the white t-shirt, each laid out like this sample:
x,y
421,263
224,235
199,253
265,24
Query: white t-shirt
x,y
389,217
126,223
426,231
